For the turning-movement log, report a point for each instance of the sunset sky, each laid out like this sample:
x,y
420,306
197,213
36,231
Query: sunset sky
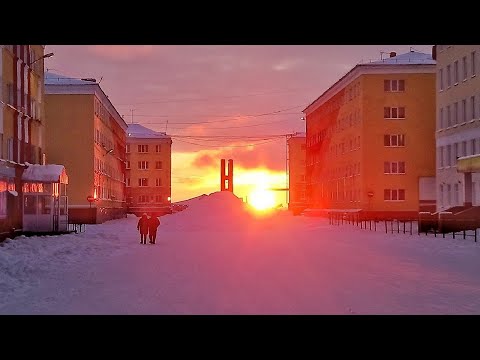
x,y
217,101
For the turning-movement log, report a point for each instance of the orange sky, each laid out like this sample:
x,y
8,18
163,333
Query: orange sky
x,y
217,101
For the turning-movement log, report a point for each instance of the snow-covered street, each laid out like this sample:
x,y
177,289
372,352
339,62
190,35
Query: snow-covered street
x,y
215,258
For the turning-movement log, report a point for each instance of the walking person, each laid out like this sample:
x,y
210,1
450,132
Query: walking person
x,y
153,224
142,226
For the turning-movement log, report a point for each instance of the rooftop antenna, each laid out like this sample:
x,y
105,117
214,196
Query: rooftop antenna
x,y
101,77
166,125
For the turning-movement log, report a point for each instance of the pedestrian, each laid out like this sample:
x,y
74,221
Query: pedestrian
x,y
142,226
153,224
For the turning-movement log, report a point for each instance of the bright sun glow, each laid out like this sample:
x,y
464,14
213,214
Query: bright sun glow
x,y
261,199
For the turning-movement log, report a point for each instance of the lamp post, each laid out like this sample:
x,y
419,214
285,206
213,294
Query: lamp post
x,y
40,58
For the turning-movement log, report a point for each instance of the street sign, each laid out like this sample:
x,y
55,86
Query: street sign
x,y
90,198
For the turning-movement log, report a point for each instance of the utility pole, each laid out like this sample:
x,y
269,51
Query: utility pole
x,y
131,110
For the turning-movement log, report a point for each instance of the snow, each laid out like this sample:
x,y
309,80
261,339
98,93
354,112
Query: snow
x,y
410,58
216,257
139,131
43,173
56,79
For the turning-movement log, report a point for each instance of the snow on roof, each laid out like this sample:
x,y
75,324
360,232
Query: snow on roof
x,y
299,134
45,173
140,131
56,79
410,58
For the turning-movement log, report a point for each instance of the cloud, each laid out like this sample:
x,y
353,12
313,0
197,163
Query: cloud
x,y
121,52
246,158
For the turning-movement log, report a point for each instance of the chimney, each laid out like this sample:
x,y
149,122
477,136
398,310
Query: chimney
x,y
434,52
393,54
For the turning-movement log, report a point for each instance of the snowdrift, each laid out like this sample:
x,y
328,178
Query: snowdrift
x,y
220,210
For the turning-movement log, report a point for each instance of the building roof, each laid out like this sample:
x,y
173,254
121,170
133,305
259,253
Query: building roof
x,y
142,132
403,63
410,58
45,173
56,79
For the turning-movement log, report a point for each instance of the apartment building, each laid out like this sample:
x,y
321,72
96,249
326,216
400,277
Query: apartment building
x,y
370,138
22,124
148,170
87,134
296,171
458,126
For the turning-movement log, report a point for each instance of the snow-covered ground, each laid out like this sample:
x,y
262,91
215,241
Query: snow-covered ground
x,y
216,258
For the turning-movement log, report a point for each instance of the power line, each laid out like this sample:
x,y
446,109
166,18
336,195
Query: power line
x,y
247,145
235,127
232,116
211,97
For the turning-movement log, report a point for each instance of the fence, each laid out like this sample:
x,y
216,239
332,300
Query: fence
x,y
456,228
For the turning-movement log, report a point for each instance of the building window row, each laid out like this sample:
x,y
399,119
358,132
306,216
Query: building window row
x,y
449,195
448,154
150,198
144,148
457,113
103,140
449,76
143,182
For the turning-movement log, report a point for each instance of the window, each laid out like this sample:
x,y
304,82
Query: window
x,y
455,72
464,148
473,63
442,124
455,113
394,140
158,148
158,165
449,194
127,181
143,148
143,182
449,76
158,198
127,165
441,195
449,155
455,154
465,70
143,165
472,102
127,149
464,110
394,167
158,182
449,117
456,197
394,194
440,157
394,112
10,149
473,150
440,74
394,85
30,204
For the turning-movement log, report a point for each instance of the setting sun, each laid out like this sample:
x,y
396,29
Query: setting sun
x,y
261,199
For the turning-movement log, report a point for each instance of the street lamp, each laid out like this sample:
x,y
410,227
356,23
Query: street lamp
x,y
42,57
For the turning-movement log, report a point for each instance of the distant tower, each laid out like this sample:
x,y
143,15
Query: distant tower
x,y
226,180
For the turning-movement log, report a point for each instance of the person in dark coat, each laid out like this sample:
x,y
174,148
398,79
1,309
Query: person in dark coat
x,y
153,224
142,226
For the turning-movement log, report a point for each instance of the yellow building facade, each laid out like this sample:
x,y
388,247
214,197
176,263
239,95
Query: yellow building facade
x,y
87,134
22,124
371,138
148,170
